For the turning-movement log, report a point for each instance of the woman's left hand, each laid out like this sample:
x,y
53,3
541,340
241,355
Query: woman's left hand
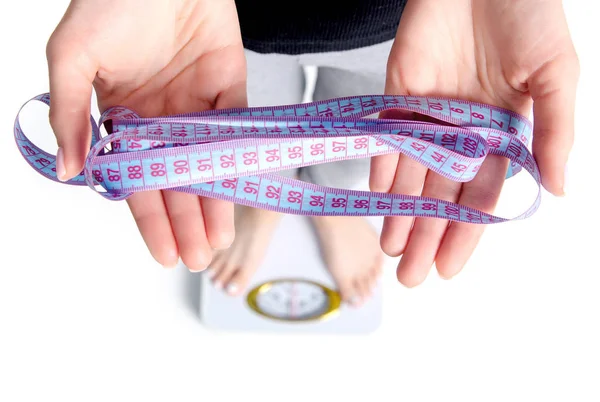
x,y
512,54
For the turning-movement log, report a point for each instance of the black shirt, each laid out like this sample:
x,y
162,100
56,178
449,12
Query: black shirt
x,y
311,26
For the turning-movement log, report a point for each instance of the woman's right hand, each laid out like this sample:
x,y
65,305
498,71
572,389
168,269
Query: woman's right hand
x,y
157,57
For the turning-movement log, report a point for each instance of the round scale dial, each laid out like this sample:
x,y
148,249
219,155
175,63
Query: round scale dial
x,y
294,300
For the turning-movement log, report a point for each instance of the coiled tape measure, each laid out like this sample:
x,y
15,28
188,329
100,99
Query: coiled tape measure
x,y
234,154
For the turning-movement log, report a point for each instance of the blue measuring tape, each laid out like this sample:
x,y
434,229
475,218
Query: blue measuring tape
x,y
234,154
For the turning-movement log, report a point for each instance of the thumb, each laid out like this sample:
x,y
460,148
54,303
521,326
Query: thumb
x,y
71,76
553,89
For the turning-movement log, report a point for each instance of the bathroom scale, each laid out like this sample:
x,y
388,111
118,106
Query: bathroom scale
x,y
290,292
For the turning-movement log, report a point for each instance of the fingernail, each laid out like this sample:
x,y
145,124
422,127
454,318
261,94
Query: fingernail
x,y
218,285
173,265
232,288
195,270
225,243
61,171
222,248
210,272
566,180
354,301
445,276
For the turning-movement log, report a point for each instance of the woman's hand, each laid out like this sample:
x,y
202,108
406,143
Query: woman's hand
x,y
158,57
508,53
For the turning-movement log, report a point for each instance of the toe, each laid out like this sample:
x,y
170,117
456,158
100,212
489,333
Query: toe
x,y
362,285
348,292
216,265
370,280
377,271
221,279
374,276
211,271
359,292
239,281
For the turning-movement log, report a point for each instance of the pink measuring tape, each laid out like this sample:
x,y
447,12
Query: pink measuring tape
x,y
234,154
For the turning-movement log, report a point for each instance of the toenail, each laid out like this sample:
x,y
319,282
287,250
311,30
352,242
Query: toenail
x,y
354,300
232,288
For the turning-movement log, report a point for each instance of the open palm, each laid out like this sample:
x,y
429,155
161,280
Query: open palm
x,y
156,57
510,54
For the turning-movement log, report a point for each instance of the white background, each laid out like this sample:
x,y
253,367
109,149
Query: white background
x,y
87,315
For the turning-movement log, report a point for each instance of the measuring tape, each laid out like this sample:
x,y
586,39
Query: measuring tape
x,y
233,154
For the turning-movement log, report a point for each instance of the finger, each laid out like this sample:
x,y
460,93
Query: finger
x,y
71,75
227,93
219,222
218,214
409,178
383,170
427,233
187,222
150,214
553,90
481,193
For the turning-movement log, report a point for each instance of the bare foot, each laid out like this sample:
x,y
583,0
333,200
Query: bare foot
x,y
351,250
232,269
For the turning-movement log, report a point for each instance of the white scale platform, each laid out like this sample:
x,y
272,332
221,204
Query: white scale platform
x,y
221,311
